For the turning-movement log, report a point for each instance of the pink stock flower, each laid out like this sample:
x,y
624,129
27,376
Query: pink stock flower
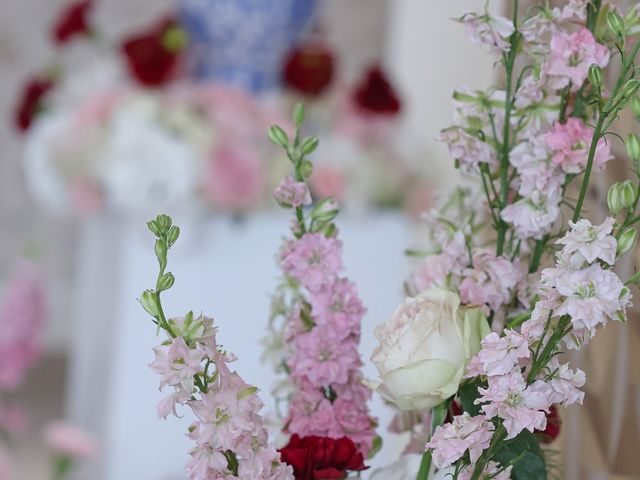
x,y
322,358
451,440
69,441
338,306
291,193
470,151
176,363
520,406
565,383
571,55
490,281
533,328
21,319
490,31
313,259
500,355
437,270
532,217
236,178
570,143
585,243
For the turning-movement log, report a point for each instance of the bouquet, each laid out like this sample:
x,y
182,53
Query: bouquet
x,y
134,127
514,275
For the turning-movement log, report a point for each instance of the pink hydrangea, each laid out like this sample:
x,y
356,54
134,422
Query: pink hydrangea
x,y
500,355
520,406
291,193
470,151
451,440
570,144
571,55
313,259
490,281
585,243
490,31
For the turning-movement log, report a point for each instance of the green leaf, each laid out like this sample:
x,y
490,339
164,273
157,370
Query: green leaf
x,y
278,136
526,456
468,393
298,114
375,446
165,282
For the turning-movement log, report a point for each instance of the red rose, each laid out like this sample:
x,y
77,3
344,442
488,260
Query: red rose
x,y
153,56
72,22
31,101
376,95
309,69
552,431
321,458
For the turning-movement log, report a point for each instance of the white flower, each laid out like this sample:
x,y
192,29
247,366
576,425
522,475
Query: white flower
x,y
585,243
424,348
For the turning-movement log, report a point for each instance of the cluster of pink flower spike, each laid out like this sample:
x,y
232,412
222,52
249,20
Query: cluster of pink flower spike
x,y
231,440
581,291
322,333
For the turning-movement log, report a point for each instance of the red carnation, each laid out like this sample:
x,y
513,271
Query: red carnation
x,y
72,22
552,431
309,69
153,56
376,95
31,101
320,458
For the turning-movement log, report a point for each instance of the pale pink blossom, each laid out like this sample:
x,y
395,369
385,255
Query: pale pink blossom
x,y
291,193
520,406
176,363
470,151
338,305
314,260
490,31
442,269
534,216
69,441
533,328
585,243
571,55
451,440
500,355
570,143
564,382
574,10
589,296
490,281
235,179
493,471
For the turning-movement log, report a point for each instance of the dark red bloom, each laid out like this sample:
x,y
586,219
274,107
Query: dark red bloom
x,y
152,57
376,95
320,458
31,101
550,433
72,22
309,69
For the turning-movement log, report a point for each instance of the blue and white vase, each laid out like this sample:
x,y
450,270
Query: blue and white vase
x,y
242,42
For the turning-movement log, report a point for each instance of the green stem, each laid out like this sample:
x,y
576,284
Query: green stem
x,y
438,414
499,435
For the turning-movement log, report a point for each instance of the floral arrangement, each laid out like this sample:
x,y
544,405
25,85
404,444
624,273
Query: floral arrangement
x,y
132,128
515,274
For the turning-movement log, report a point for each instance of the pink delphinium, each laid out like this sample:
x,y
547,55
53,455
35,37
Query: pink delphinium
x,y
500,355
469,150
236,178
69,441
21,319
291,193
451,440
585,243
571,55
490,31
570,143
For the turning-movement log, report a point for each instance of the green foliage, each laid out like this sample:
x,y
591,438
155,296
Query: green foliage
x,y
468,393
525,455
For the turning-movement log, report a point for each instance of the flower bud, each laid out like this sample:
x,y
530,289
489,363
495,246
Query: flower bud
x,y
633,147
278,136
173,234
614,198
635,107
595,75
325,210
298,114
161,250
616,24
628,194
306,168
627,241
164,222
166,282
309,145
149,303
630,88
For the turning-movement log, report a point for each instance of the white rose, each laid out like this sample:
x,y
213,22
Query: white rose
x,y
424,348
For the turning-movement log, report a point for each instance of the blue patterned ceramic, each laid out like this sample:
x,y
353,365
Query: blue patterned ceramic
x,y
242,42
